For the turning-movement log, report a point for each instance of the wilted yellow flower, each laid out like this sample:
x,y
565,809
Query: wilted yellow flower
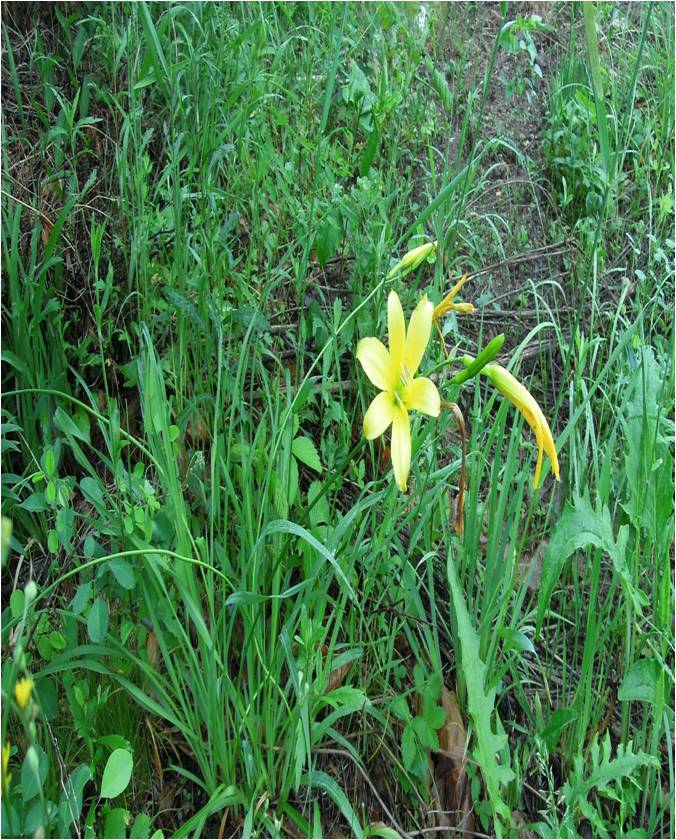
x,y
521,397
22,691
447,304
394,373
412,259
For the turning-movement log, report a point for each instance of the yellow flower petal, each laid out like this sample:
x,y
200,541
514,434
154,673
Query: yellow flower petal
x,y
377,363
538,466
397,329
22,691
379,415
418,334
447,303
421,395
546,441
401,447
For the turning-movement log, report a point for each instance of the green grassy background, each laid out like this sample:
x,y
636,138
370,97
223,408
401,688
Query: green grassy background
x,y
200,204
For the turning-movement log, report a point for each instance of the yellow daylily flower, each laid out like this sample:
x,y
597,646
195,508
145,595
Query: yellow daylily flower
x,y
521,397
394,372
447,304
22,691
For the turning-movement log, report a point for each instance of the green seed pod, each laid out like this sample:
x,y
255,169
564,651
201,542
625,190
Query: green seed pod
x,y
473,366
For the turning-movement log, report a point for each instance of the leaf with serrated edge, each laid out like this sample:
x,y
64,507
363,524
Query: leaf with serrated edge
x,y
481,706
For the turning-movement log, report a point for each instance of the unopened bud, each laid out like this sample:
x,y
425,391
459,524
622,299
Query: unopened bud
x,y
473,366
412,259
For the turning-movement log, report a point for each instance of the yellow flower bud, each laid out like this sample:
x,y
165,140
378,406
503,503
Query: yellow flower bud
x,y
22,691
412,259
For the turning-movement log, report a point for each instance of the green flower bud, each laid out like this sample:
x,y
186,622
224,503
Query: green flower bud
x,y
473,366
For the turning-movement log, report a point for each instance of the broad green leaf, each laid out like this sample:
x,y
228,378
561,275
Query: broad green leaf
x,y
81,598
52,541
117,774
358,90
516,640
35,818
318,505
49,462
123,572
70,804
640,682
69,427
57,640
50,492
97,621
46,692
425,732
304,449
141,827
347,697
559,719
33,771
65,522
93,492
115,824
399,708
35,503
412,752
16,603
114,742
648,462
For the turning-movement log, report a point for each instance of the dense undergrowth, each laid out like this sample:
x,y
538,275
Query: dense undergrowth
x,y
234,622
